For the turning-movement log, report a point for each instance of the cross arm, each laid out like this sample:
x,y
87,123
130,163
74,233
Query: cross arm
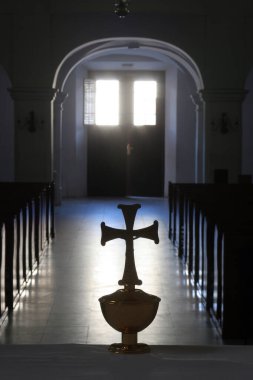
x,y
109,233
150,232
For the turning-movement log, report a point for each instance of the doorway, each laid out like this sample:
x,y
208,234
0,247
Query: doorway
x,y
125,133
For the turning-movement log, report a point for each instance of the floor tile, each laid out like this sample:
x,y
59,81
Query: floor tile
x,y
61,303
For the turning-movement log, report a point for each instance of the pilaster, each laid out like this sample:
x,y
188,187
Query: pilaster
x,y
57,112
199,138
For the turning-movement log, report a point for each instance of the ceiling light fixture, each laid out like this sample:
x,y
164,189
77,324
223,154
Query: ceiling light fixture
x,y
121,8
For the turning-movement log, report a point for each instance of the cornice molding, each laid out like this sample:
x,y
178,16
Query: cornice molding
x,y
223,95
32,93
60,97
197,99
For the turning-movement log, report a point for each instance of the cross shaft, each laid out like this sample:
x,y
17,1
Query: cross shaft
x,y
130,277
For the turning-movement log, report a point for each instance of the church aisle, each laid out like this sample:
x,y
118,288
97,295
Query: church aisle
x,y
61,303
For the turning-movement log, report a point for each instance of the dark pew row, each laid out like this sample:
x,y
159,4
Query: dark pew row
x,y
212,228
26,227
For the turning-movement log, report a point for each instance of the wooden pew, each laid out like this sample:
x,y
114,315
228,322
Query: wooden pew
x,y
2,271
212,226
27,225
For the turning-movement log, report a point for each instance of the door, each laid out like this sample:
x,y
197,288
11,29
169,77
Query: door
x,y
126,138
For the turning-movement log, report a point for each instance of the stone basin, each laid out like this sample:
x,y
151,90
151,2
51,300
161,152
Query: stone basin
x,y
129,311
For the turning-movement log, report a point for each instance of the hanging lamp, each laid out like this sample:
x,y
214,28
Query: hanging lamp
x,y
121,8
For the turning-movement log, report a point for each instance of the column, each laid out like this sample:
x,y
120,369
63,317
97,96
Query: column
x,y
57,121
199,138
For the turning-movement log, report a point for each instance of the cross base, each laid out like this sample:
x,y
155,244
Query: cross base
x,y
129,345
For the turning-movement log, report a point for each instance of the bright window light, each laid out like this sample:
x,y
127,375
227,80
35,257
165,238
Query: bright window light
x,y
145,93
107,102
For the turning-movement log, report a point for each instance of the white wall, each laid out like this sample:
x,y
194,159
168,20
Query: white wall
x,y
35,37
247,128
186,129
170,127
74,139
6,130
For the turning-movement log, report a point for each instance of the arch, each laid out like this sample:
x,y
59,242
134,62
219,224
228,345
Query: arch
x,y
163,51
105,46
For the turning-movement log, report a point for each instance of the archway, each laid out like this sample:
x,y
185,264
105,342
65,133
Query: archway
x,y
183,66
96,48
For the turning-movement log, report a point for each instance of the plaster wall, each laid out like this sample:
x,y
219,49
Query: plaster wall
x,y
186,130
247,128
74,138
170,126
36,36
6,130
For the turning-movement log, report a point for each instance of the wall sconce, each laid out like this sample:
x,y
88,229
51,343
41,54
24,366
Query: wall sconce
x,y
30,123
224,124
121,8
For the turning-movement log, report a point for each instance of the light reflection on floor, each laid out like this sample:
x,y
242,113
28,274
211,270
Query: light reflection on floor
x,y
61,304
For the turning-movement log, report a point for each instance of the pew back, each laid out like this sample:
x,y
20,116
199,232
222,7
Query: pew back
x,y
27,225
212,227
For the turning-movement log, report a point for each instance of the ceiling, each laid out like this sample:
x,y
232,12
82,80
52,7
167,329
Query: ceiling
x,y
129,58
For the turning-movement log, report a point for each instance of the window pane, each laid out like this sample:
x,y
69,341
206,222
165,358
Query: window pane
x,y
107,102
89,101
145,93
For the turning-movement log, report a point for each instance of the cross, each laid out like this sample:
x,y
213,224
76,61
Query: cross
x,y
130,277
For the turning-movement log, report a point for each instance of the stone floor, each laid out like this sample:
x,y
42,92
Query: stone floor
x,y
61,303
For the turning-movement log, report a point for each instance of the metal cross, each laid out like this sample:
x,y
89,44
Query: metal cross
x,y
130,277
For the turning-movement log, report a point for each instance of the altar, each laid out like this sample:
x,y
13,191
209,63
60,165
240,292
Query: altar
x,y
67,362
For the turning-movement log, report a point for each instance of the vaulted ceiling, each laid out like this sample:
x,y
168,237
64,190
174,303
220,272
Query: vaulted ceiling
x,y
130,59
136,6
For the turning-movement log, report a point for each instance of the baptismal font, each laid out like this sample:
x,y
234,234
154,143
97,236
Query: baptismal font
x,y
129,310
